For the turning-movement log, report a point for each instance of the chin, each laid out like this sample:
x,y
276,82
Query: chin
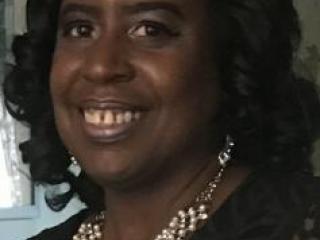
x,y
111,171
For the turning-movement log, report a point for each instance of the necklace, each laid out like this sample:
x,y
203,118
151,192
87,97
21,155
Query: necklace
x,y
184,223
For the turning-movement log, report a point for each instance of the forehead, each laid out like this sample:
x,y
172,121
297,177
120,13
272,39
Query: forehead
x,y
184,6
113,2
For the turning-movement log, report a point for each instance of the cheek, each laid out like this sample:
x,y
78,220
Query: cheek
x,y
61,81
63,74
57,75
181,78
187,96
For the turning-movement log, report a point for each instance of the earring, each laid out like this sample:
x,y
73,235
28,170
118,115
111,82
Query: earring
x,y
73,160
225,155
74,167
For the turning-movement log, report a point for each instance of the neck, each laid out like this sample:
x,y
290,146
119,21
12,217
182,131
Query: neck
x,y
128,211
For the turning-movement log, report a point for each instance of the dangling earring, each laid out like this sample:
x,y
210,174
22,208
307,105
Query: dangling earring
x,y
74,167
73,160
225,155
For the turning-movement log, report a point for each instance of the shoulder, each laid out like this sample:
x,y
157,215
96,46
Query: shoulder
x,y
288,189
65,230
269,206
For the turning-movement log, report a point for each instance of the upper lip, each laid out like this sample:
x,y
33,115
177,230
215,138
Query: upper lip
x,y
112,104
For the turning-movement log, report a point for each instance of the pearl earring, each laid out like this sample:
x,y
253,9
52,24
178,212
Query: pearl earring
x,y
74,167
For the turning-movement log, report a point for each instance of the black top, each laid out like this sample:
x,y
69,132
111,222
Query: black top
x,y
266,206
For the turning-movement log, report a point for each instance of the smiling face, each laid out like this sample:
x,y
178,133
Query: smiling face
x,y
133,85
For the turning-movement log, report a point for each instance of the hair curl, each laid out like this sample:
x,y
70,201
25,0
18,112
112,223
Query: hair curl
x,y
271,114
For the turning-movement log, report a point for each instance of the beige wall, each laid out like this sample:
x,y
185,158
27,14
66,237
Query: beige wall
x,y
19,16
309,58
309,63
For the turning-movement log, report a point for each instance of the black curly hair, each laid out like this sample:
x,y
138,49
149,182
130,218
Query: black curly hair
x,y
272,115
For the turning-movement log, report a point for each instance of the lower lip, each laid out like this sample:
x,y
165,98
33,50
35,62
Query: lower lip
x,y
108,134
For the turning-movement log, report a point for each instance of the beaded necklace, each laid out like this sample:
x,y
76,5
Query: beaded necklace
x,y
184,223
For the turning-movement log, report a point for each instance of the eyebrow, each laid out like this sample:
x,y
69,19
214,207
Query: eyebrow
x,y
135,8
74,7
153,6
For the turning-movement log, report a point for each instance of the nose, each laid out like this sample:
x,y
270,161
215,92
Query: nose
x,y
107,61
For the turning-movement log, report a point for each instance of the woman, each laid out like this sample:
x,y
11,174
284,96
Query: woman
x,y
185,117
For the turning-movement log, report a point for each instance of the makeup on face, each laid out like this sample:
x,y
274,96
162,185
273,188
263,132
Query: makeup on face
x,y
133,83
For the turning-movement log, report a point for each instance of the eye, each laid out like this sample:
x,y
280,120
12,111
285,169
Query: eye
x,y
150,29
79,30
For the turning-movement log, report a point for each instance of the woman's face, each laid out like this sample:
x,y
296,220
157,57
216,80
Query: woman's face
x,y
134,85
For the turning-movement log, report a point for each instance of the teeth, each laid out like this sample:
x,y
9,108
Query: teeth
x,y
137,115
119,118
109,117
127,117
92,116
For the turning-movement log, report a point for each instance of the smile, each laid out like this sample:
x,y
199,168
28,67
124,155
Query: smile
x,y
110,117
110,122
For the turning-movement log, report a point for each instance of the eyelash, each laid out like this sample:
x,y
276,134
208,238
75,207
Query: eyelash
x,y
151,29
156,29
70,27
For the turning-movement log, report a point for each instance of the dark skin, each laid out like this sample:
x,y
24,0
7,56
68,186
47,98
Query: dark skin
x,y
155,56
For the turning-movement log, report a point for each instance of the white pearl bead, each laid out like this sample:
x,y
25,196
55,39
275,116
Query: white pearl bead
x,y
75,237
96,227
202,208
98,235
165,232
192,211
182,213
192,227
173,224
182,225
182,233
203,216
193,220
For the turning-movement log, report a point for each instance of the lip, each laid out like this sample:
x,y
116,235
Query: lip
x,y
110,133
112,104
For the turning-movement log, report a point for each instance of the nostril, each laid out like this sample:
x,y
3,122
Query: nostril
x,y
104,72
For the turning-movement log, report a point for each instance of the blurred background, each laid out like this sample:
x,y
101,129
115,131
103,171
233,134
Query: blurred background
x,y
23,211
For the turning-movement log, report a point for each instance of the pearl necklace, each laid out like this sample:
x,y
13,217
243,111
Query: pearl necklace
x,y
185,222
180,226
